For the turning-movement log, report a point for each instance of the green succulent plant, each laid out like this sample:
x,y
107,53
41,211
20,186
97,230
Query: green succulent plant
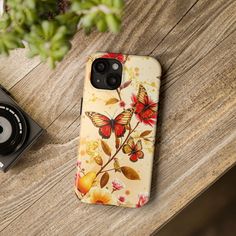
x,y
46,27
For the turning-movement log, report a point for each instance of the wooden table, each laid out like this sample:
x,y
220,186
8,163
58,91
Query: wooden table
x,y
195,42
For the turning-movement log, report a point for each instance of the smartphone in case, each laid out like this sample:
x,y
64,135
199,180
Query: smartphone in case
x,y
118,128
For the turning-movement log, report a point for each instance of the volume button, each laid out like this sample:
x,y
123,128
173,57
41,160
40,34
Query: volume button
x,y
81,105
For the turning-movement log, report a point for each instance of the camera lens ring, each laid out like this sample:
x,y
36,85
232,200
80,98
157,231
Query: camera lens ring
x,y
1,129
14,129
113,81
100,66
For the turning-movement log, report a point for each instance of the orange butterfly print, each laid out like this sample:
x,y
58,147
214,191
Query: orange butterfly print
x,y
133,150
107,126
145,108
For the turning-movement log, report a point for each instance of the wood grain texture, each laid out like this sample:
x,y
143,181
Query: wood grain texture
x,y
196,143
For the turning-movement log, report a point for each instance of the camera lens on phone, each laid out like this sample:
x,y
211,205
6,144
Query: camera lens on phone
x,y
113,81
100,67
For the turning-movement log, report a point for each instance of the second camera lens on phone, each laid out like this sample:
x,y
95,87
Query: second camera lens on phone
x,y
113,81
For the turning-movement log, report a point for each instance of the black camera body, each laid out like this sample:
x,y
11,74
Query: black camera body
x,y
18,131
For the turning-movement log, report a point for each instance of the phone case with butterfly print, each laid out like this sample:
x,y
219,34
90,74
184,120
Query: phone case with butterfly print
x,y
117,137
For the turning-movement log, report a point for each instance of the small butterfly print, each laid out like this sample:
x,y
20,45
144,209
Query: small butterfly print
x,y
133,150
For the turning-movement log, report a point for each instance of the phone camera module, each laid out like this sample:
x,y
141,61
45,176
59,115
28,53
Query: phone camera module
x,y
106,73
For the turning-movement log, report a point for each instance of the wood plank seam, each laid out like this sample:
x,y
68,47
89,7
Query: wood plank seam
x,y
186,13
175,79
32,69
56,182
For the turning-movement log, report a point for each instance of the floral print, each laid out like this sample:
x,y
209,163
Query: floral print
x,y
117,56
117,185
116,149
100,196
122,104
143,199
121,199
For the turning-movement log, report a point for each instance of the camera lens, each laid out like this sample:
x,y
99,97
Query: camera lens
x,y
113,81
13,129
100,66
1,129
5,129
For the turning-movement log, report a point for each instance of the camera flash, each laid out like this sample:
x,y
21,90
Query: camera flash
x,y
115,66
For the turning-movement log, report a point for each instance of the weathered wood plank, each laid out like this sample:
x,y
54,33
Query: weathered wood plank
x,y
195,42
15,67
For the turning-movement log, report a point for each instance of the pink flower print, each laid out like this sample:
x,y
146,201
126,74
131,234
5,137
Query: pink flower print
x,y
143,199
79,163
117,185
122,104
121,199
77,176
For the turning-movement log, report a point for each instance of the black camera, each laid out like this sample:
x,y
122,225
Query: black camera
x,y
106,73
17,130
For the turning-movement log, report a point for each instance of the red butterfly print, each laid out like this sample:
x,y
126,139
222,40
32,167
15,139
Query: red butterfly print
x,y
120,57
133,150
107,126
145,108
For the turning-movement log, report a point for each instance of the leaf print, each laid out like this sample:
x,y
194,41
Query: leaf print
x,y
153,84
104,180
117,143
130,173
98,160
145,133
125,85
112,101
148,140
117,165
106,148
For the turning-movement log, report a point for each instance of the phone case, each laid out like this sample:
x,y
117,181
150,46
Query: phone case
x,y
117,137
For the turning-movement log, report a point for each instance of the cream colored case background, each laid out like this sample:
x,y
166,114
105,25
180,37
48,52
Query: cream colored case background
x,y
117,170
